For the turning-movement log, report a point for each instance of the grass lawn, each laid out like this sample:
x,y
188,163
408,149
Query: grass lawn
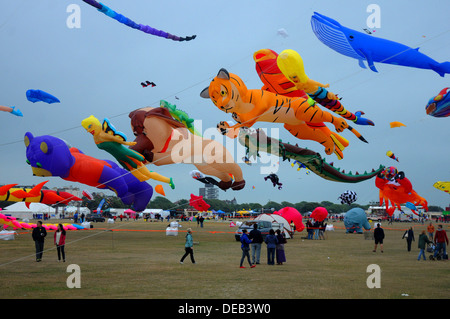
x,y
138,260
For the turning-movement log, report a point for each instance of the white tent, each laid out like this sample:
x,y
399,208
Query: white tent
x,y
274,218
20,210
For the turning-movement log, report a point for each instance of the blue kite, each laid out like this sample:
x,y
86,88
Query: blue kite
x,y
364,47
41,96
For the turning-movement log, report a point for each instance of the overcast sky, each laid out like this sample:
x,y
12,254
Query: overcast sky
x,y
97,69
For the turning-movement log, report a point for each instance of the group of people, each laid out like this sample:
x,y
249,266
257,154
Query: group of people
x,y
59,239
438,239
315,229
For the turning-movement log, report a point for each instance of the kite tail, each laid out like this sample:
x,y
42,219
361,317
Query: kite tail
x,y
441,68
320,96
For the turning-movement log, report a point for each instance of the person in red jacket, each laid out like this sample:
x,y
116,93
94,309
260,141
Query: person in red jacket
x,y
60,241
440,239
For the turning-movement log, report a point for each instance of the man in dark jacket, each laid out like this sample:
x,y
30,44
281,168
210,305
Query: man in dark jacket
x,y
257,239
38,235
378,235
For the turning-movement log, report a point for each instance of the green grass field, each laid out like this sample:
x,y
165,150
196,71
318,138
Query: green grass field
x,y
138,260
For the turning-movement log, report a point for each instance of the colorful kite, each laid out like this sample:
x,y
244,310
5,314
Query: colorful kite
x,y
319,214
198,203
41,96
443,186
50,156
16,224
364,47
301,117
391,155
292,215
439,105
397,190
107,138
130,23
9,193
87,194
11,110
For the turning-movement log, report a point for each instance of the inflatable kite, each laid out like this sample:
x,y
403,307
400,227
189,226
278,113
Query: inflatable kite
x,y
198,203
148,83
87,194
439,105
258,141
130,23
397,189
199,176
181,116
274,179
292,215
367,48
11,110
41,96
348,197
107,138
13,222
290,64
163,141
300,166
50,156
391,155
319,214
9,193
300,116
355,221
443,186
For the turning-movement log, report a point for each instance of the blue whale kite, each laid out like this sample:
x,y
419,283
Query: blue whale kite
x,y
39,95
362,47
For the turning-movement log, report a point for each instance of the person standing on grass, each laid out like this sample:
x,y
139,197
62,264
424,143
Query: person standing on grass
x,y
245,242
281,256
409,235
257,239
271,242
378,235
440,238
38,236
430,230
60,241
423,240
188,247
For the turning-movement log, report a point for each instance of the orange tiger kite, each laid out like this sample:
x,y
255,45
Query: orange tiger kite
x,y
301,117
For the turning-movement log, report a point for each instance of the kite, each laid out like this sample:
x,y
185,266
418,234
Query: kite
x,y
443,186
355,221
198,203
300,166
397,189
257,141
11,110
292,215
147,83
319,214
367,31
130,23
246,160
87,194
391,155
290,64
396,124
439,105
348,197
202,178
282,32
274,179
16,224
180,115
41,96
163,140
300,116
9,193
50,156
160,190
364,47
107,138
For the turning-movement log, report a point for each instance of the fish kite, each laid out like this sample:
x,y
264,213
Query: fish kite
x,y
439,105
364,47
391,155
130,23
41,96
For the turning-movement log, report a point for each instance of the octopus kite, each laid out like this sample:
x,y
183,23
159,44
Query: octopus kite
x,y
300,116
397,189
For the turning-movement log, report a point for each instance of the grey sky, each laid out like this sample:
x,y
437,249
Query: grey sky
x,y
97,69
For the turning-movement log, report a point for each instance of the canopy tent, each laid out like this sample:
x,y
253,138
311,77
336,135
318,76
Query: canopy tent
x,y
20,210
273,218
